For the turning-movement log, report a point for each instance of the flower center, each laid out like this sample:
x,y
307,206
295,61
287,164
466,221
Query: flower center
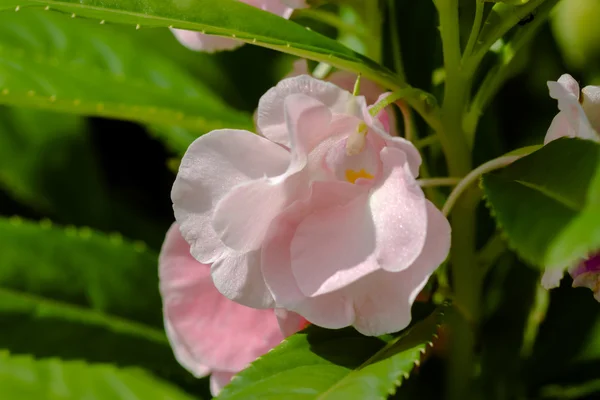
x,y
352,175
356,140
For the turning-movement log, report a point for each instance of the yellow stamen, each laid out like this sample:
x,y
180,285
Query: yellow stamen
x,y
356,140
352,176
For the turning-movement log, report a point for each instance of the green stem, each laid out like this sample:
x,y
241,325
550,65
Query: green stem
x,y
432,182
476,28
395,37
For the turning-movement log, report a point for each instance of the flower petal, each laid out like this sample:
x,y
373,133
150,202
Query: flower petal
x,y
289,322
211,167
399,214
271,120
552,277
218,380
208,43
239,278
242,217
412,154
568,103
591,106
383,300
560,127
206,330
334,247
276,254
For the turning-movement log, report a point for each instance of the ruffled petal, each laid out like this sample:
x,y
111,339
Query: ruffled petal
x,y
206,330
568,103
399,213
334,247
271,120
383,300
413,156
276,255
213,165
239,278
242,218
379,302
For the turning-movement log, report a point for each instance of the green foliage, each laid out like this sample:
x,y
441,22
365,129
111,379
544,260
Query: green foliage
x,y
53,62
231,19
548,202
22,377
334,364
78,294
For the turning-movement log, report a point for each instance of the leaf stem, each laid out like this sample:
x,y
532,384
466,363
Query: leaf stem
x,y
479,6
332,20
473,176
432,182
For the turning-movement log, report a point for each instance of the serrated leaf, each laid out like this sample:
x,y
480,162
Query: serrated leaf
x,y
548,203
53,62
228,18
77,294
334,364
22,377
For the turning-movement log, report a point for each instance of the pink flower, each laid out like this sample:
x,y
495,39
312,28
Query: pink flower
x,y
208,332
372,92
321,215
210,43
585,274
579,114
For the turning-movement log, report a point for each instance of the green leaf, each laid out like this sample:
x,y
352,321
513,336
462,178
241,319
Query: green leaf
x,y
78,294
503,17
53,62
49,162
229,18
548,203
22,377
334,364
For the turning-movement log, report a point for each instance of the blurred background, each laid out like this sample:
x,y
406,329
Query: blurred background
x,y
85,204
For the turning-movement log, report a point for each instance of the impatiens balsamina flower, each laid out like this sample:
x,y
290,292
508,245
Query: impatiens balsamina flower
x,y
210,43
208,332
321,215
579,116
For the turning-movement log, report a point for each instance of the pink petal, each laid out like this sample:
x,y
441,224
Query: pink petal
x,y
289,322
413,156
591,106
334,247
376,304
208,43
568,103
569,84
213,165
276,254
218,380
239,278
271,115
399,214
208,331
242,217
560,127
382,301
